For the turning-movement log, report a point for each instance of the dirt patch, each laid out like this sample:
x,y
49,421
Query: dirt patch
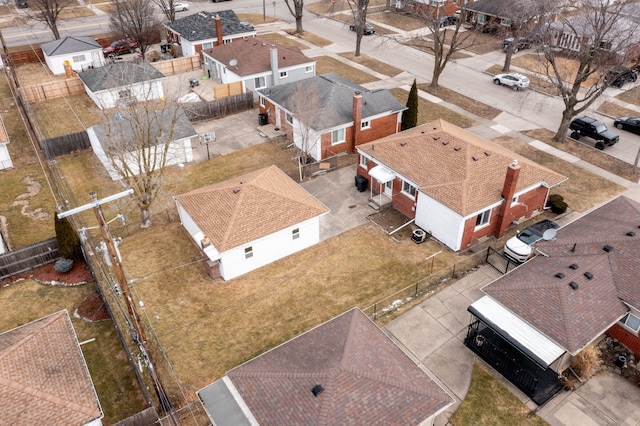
x,y
465,102
78,275
92,308
389,219
22,200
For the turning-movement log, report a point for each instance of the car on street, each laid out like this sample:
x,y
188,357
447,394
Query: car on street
x,y
620,75
21,4
118,47
445,21
520,248
523,43
631,124
587,126
368,29
513,80
179,7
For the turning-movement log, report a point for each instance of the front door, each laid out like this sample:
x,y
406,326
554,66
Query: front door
x,y
388,189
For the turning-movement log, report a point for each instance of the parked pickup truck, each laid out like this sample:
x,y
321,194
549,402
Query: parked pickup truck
x,y
587,126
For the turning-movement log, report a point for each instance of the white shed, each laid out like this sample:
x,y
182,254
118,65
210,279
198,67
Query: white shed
x,y
5,158
80,52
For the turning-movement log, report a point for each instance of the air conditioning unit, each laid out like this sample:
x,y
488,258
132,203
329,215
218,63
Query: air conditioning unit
x,y
419,236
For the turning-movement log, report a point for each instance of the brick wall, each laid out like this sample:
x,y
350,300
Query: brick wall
x,y
626,338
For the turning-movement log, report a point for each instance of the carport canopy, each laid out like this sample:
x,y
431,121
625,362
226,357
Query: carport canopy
x,y
382,174
511,327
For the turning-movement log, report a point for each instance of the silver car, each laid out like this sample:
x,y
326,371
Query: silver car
x,y
513,80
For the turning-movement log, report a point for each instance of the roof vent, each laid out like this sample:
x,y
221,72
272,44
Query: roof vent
x,y
317,390
474,158
589,275
445,142
573,285
435,138
403,143
631,234
487,153
559,275
457,148
236,190
607,248
573,249
573,266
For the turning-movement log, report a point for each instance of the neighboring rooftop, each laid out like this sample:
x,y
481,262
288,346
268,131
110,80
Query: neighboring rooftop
x,y
201,25
120,74
70,44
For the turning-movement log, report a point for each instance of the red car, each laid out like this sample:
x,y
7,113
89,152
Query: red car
x,y
126,45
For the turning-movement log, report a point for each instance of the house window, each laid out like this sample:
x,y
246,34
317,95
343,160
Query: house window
x,y
631,322
337,136
364,162
248,252
78,58
284,74
480,18
515,200
483,218
295,234
289,118
365,124
308,68
505,22
207,45
408,189
227,41
260,82
261,101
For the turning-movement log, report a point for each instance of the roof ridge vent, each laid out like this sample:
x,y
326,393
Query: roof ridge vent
x,y
631,234
457,148
403,143
236,190
317,390
445,142
487,153
573,285
474,158
573,266
435,138
607,248
589,275
559,275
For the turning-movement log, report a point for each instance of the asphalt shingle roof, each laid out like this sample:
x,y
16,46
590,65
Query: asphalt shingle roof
x,y
120,74
573,318
201,25
334,99
453,166
366,378
70,44
491,7
245,208
43,376
253,55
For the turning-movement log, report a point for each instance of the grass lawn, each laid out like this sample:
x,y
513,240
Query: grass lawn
x,y
489,402
372,64
58,117
632,96
117,388
615,110
397,20
465,102
346,18
428,111
283,40
75,12
325,7
327,64
568,68
255,18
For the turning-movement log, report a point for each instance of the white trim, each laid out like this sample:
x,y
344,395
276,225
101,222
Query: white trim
x,y
243,405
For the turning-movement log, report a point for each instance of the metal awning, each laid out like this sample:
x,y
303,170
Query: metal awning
x,y
382,174
222,405
523,336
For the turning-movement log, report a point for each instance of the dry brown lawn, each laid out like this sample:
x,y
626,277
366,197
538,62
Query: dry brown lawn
x,y
15,21
426,45
35,73
568,67
283,40
372,64
327,64
428,111
397,20
631,96
327,7
75,12
347,19
255,18
464,102
58,117
615,110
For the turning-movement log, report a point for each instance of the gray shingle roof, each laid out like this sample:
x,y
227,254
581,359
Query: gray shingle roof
x,y
201,26
496,8
120,74
335,99
70,44
573,318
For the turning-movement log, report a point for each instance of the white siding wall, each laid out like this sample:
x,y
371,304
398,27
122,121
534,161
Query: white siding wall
x,y
145,91
269,249
440,221
5,158
56,63
314,147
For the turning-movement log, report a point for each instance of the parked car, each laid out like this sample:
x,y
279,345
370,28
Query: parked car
x,y
523,43
22,4
179,7
448,20
587,126
126,45
520,248
628,123
368,29
620,75
513,80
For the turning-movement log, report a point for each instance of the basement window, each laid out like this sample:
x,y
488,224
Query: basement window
x,y
295,234
364,162
483,219
248,252
631,323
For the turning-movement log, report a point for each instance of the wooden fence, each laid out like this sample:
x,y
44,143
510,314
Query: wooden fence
x,y
219,107
228,89
28,258
65,144
26,56
52,90
178,65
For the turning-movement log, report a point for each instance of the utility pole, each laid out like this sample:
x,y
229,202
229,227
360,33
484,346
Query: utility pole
x,y
137,332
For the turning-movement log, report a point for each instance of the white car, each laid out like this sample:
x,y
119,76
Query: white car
x,y
180,7
520,247
515,81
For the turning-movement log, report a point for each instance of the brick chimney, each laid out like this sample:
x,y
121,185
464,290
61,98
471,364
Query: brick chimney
x,y
509,188
273,57
357,118
219,40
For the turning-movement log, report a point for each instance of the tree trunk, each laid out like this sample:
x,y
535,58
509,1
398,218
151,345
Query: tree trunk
x,y
54,30
507,60
358,41
561,136
299,29
146,217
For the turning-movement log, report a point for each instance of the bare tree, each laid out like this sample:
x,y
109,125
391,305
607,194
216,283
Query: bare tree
x,y
168,8
583,48
136,19
296,12
48,11
359,11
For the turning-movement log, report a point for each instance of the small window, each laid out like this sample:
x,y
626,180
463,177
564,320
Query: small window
x,y
124,94
78,58
260,82
208,45
515,200
631,322
308,68
295,234
261,101
505,22
248,252
364,162
337,136
365,124
289,118
483,218
284,74
227,41
408,189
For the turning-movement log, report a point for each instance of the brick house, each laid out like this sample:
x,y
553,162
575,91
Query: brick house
x,y
203,30
457,186
343,115
585,285
343,372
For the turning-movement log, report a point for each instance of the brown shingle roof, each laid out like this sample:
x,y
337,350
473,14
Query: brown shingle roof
x,y
43,377
248,207
572,318
253,55
366,378
455,167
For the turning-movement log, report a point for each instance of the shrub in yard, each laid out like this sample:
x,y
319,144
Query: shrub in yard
x,y
587,361
410,116
67,237
557,204
63,265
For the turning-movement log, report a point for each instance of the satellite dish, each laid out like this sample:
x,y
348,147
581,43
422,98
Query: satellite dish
x,y
233,62
549,234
